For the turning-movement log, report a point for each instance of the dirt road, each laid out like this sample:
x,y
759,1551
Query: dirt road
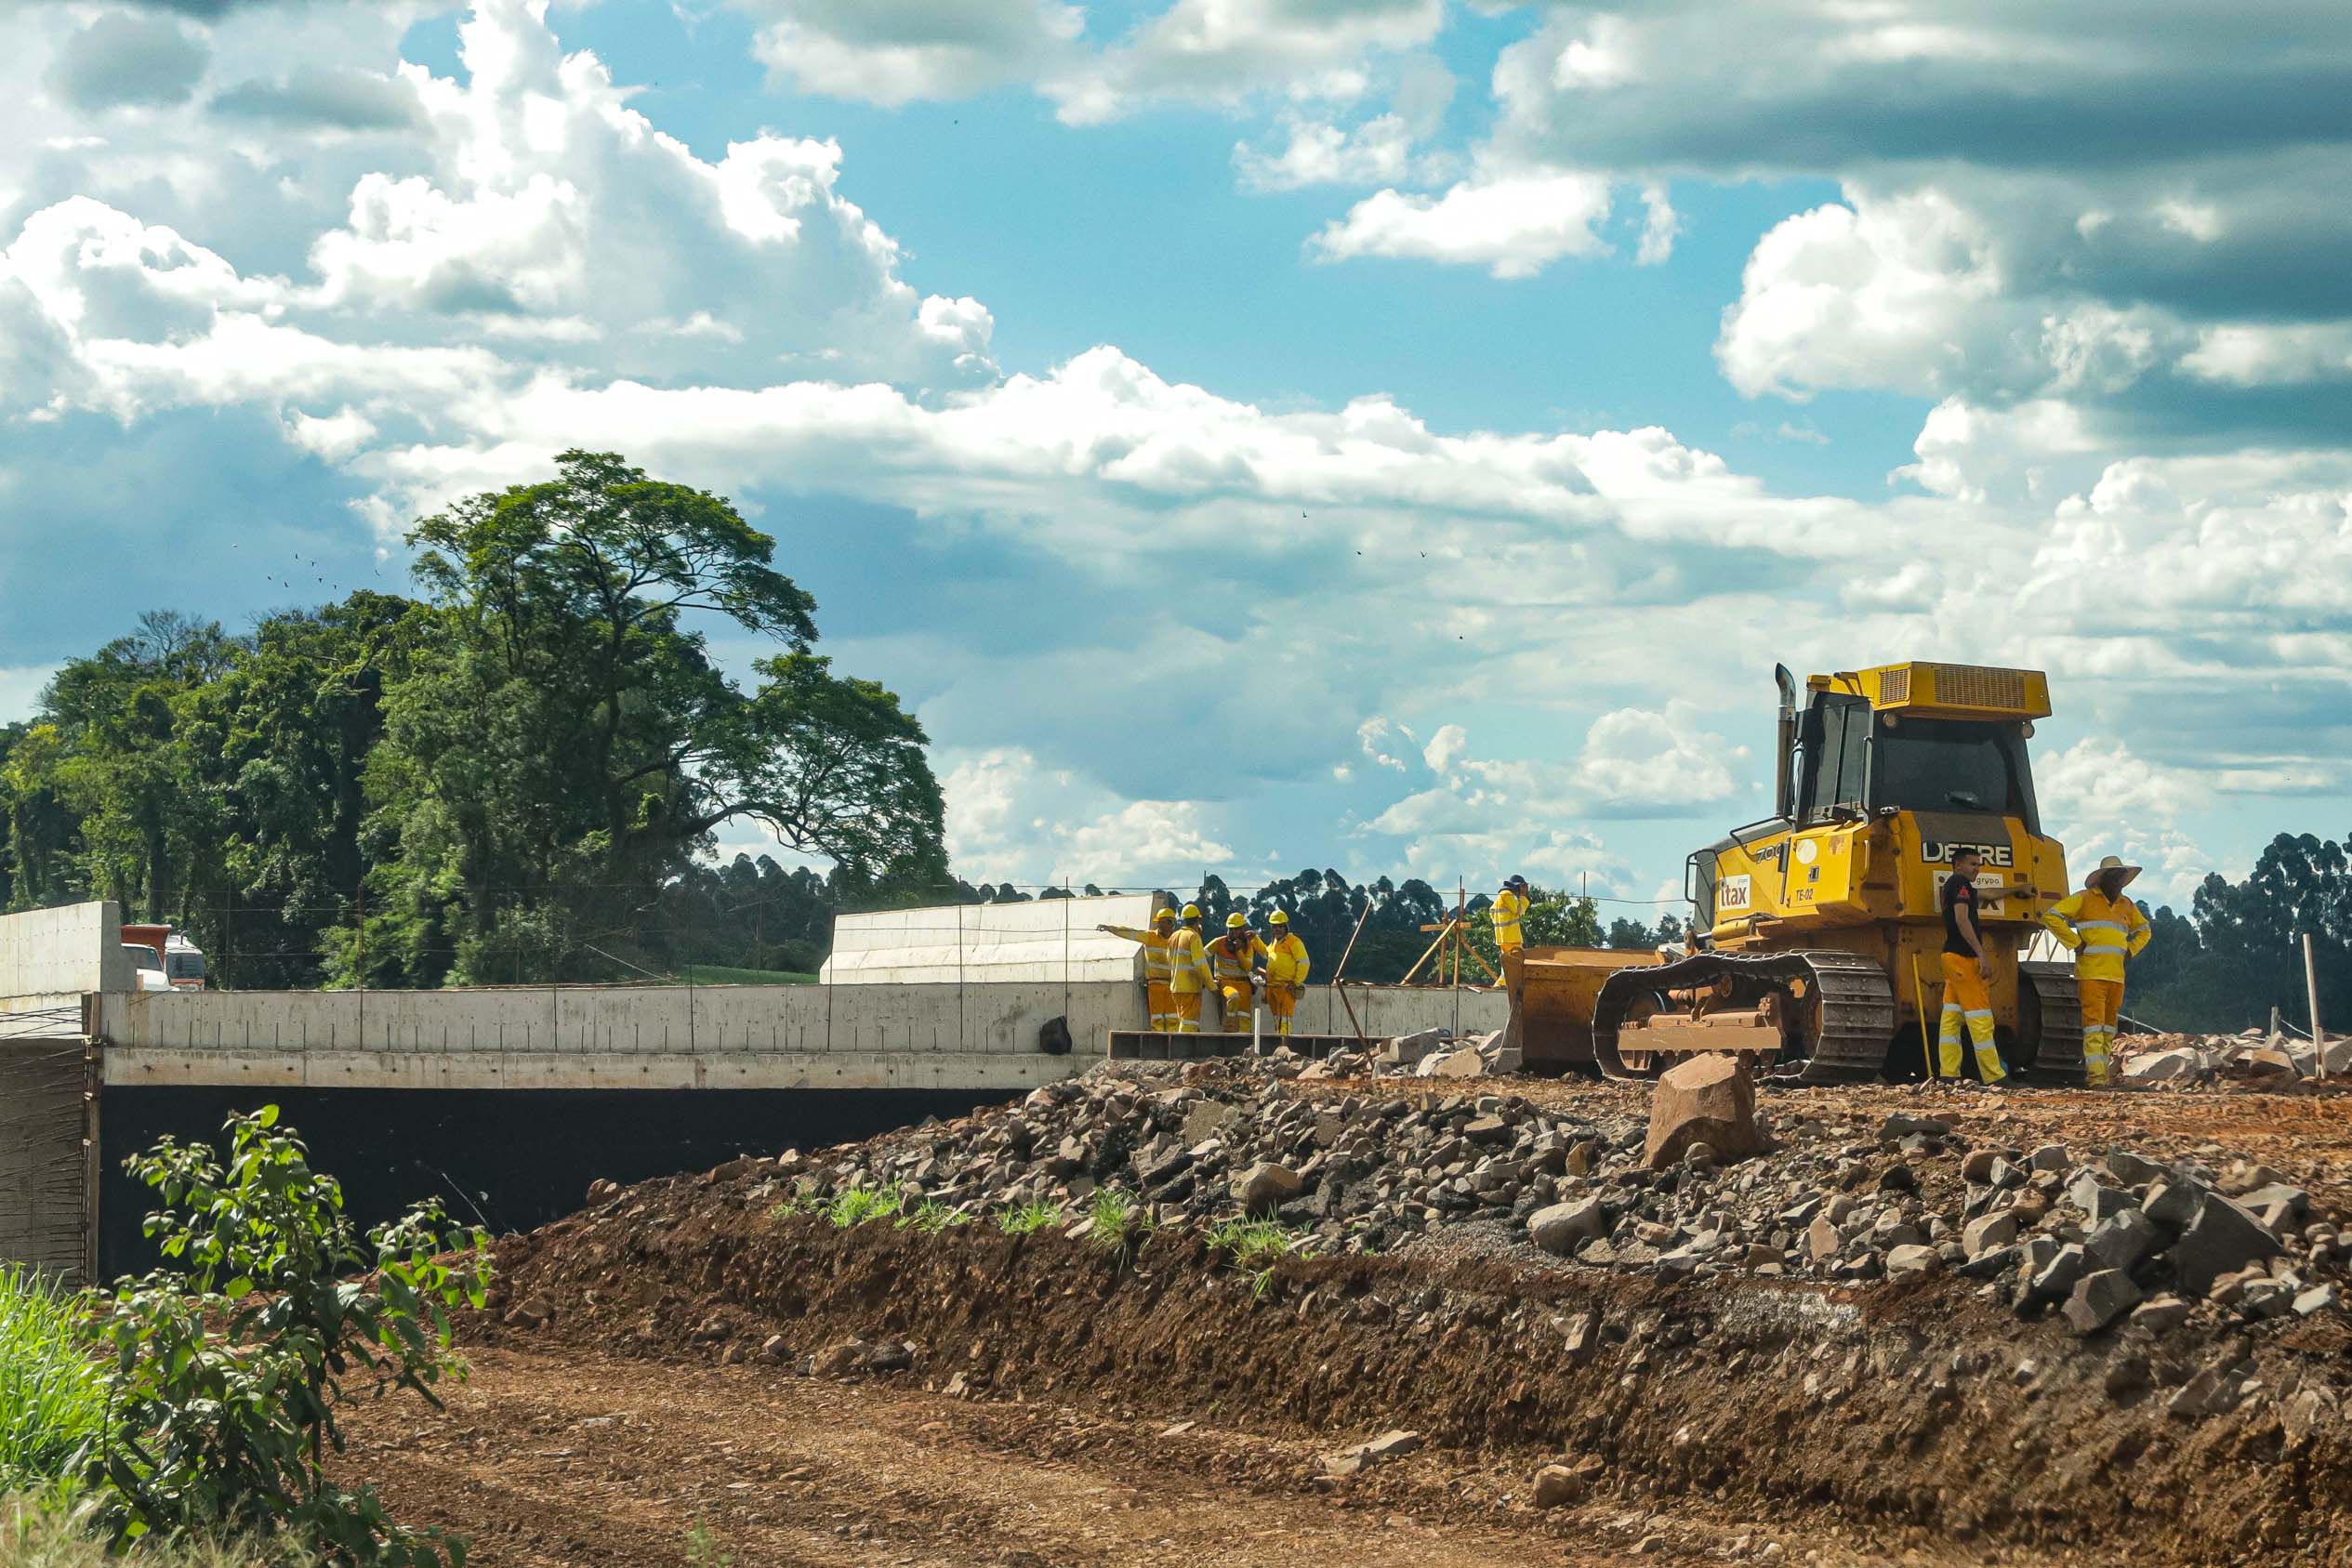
x,y
577,1459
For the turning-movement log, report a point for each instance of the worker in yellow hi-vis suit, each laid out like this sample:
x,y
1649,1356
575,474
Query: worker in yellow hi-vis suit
x,y
1159,999
2103,928
1509,908
1286,971
1188,973
1236,954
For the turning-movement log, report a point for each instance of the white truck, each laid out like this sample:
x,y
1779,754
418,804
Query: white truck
x,y
163,960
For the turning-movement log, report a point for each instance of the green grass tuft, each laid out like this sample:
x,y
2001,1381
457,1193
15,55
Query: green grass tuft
x,y
1256,1245
1121,1223
930,1216
861,1204
51,1529
1028,1218
52,1394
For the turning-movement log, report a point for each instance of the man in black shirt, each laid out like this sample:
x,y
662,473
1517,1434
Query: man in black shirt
x,y
1966,969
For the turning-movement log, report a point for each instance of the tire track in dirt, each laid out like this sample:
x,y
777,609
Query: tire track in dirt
x,y
576,1460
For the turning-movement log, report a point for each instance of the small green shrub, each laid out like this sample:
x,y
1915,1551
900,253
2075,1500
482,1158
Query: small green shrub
x,y
227,1373
703,1550
1021,1219
52,1391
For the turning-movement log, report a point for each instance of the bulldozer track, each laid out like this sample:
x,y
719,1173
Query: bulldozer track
x,y
2050,1012
1845,1024
1846,993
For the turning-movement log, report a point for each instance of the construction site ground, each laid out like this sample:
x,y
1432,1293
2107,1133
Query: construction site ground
x,y
1065,1408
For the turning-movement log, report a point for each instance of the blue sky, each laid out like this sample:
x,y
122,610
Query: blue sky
x,y
1396,435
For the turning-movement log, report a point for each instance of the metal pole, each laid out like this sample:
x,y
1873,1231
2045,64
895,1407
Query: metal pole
x,y
2311,990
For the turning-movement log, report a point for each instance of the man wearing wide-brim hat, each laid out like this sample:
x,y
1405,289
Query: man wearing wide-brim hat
x,y
2103,928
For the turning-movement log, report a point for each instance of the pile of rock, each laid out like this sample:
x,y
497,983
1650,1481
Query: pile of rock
x,y
1697,1188
2255,1058
1361,1171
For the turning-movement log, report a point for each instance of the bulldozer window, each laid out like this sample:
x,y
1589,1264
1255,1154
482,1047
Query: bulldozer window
x,y
1953,765
1835,739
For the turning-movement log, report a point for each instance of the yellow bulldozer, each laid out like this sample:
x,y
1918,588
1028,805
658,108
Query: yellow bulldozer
x,y
1815,933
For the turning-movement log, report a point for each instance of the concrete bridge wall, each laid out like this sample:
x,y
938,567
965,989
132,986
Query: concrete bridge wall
x,y
981,1035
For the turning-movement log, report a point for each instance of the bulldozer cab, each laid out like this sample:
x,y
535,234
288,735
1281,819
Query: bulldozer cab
x,y
1943,747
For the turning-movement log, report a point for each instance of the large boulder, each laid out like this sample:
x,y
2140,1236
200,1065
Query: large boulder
x,y
2180,1063
1265,1185
2221,1240
1464,1063
1707,1099
1406,1051
1562,1228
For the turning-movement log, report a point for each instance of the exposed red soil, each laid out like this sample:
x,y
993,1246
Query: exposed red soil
x,y
1919,1420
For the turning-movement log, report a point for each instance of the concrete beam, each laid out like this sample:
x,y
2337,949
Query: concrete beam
x,y
127,1067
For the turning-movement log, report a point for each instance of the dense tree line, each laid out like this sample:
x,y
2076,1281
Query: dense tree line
x,y
516,775
2238,952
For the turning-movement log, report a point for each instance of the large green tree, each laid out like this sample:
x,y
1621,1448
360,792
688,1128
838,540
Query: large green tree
x,y
568,746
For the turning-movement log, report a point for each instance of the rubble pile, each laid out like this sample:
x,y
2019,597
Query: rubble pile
x,y
2254,1059
1429,1053
1699,1187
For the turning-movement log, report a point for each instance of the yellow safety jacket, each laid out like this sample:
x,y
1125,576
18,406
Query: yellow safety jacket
x,y
1233,965
1287,962
2104,932
1187,962
1154,951
1505,913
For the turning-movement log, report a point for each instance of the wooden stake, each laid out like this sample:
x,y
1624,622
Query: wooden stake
x,y
1344,956
1919,1000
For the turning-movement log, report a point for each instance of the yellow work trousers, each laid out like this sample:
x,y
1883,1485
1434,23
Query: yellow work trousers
x,y
1240,996
1282,1001
1186,1006
1162,1002
2102,1003
1966,1001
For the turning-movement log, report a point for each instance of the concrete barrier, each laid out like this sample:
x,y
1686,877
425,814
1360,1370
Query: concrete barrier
x,y
50,957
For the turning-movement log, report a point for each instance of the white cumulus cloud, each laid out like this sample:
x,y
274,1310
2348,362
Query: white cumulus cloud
x,y
1512,224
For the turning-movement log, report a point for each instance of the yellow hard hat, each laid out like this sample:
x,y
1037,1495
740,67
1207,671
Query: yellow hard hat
x,y
1192,912
1236,920
1279,918
1162,913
